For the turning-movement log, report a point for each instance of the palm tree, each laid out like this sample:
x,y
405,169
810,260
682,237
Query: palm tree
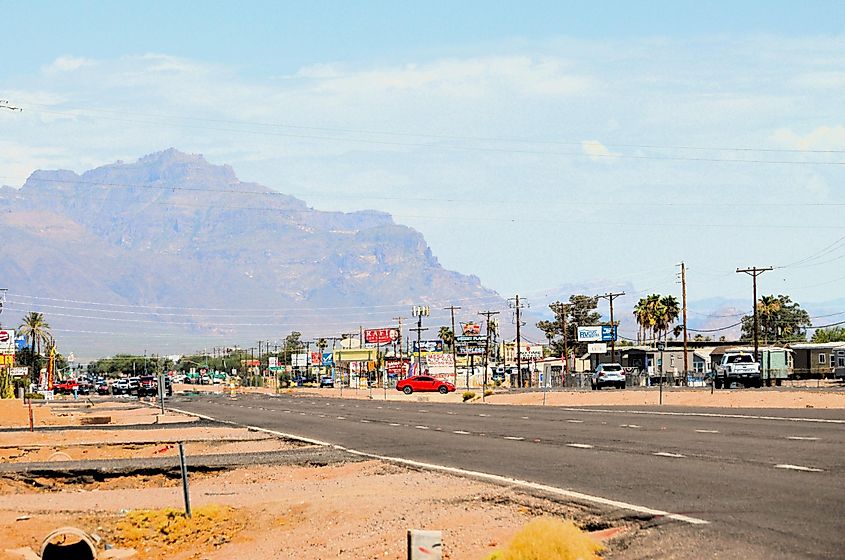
x,y
447,336
669,311
36,330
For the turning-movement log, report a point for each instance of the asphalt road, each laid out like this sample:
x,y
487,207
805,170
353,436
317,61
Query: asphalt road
x,y
768,482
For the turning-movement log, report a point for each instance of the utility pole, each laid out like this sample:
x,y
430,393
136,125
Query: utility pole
x,y
610,296
517,304
420,311
684,298
754,272
488,314
452,310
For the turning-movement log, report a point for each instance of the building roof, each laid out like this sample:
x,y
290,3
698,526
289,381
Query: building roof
x,y
817,345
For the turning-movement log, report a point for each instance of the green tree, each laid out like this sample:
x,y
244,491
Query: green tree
x,y
293,342
656,315
579,311
447,336
781,320
831,334
36,330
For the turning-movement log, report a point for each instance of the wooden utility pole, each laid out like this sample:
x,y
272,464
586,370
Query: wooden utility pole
x,y
610,296
684,298
517,305
452,310
488,315
754,272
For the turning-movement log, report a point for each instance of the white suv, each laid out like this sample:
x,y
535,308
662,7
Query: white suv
x,y
608,375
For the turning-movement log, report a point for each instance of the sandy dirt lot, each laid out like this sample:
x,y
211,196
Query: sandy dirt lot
x,y
830,396
67,412
354,510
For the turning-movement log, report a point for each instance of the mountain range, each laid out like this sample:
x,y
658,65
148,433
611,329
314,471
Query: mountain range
x,y
171,249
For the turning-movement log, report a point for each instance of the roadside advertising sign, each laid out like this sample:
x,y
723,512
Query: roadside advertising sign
x,y
381,336
597,348
470,339
316,358
7,342
20,344
428,346
396,367
597,333
7,359
299,360
20,371
464,350
327,358
436,360
470,328
272,362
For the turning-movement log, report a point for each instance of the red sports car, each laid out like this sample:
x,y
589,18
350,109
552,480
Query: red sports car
x,y
424,383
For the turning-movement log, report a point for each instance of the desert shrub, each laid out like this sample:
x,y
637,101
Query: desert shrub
x,y
488,392
547,538
33,396
468,396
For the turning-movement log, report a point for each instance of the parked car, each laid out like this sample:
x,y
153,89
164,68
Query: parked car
x,y
86,387
738,367
120,387
608,375
147,386
102,387
133,385
326,381
65,387
424,383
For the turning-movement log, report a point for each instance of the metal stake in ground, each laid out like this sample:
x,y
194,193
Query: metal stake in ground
x,y
184,467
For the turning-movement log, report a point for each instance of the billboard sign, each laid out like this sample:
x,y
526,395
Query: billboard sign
x,y
327,358
428,346
272,362
437,360
7,359
597,348
20,371
396,367
299,360
466,350
597,333
315,358
381,336
470,328
7,341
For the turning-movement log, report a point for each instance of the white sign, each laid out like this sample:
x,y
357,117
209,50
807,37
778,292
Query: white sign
x,y
7,342
272,361
597,348
20,371
299,360
437,360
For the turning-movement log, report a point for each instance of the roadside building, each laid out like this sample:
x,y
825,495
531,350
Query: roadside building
x,y
818,360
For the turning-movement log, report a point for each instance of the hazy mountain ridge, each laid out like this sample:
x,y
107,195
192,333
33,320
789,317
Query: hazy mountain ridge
x,y
173,230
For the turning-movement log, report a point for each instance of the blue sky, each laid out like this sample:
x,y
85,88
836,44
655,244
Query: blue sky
x,y
583,142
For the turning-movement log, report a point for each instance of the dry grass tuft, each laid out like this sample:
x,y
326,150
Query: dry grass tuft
x,y
548,538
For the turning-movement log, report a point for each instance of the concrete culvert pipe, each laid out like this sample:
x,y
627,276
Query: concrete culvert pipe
x,y
68,543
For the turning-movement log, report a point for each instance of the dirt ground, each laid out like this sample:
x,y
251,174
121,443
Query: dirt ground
x,y
68,412
826,396
352,510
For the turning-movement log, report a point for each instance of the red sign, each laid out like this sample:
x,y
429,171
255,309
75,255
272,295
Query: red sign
x,y
5,336
381,336
316,358
396,367
470,329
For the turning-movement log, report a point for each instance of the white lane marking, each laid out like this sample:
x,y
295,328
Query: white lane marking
x,y
452,413
422,411
667,454
322,415
798,468
629,426
803,438
484,415
341,417
302,414
706,415
571,421
379,407
421,427
580,445
524,417
461,433
506,480
365,421
707,431
394,425
515,438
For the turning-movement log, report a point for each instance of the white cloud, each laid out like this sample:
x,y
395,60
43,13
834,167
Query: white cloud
x,y
68,63
821,138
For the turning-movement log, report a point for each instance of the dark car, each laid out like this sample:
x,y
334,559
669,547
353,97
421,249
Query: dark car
x,y
147,386
424,383
102,388
326,381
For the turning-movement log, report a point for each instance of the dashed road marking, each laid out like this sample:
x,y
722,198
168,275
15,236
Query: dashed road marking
x,y
629,426
706,415
365,421
484,415
707,431
798,468
515,438
461,433
393,424
524,417
571,421
341,417
580,445
803,438
421,427
668,454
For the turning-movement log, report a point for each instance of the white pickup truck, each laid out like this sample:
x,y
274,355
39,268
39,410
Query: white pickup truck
x,y
738,367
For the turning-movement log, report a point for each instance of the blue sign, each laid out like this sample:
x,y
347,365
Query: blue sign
x,y
327,359
598,333
20,344
608,333
429,346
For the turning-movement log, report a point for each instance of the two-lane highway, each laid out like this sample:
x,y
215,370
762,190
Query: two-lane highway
x,y
767,483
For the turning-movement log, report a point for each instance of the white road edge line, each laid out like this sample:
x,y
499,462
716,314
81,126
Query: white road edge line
x,y
571,494
706,415
798,468
667,454
515,438
803,438
461,433
421,427
707,431
580,445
